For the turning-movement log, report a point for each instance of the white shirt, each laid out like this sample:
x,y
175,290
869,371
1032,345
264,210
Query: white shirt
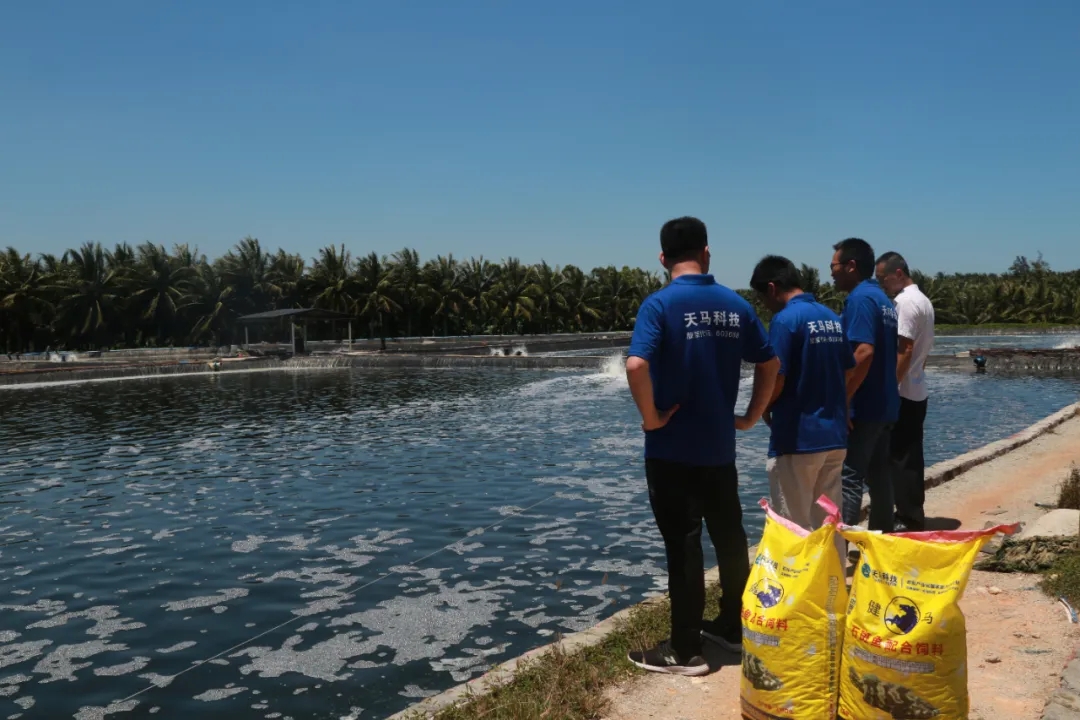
x,y
915,315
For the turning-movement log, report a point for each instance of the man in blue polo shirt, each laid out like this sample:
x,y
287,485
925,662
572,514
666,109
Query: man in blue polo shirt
x,y
684,363
870,323
808,412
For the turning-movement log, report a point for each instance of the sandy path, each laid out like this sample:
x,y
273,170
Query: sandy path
x,y
1022,629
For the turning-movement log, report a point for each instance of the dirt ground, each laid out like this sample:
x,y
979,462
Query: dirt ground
x,y
1019,640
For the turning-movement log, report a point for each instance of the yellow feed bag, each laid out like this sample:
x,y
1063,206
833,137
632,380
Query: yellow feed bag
x,y
793,623
905,650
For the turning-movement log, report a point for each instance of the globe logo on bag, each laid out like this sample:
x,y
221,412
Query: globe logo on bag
x,y
768,592
902,615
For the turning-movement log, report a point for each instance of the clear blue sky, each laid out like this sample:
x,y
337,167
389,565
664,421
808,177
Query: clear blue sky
x,y
557,130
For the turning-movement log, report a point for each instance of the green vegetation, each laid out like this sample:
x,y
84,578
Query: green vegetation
x,y
130,297
95,298
1063,579
557,685
1069,492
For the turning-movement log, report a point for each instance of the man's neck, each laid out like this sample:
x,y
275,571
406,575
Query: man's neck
x,y
689,267
787,297
906,283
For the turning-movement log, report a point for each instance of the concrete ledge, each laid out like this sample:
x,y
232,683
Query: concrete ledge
x,y
87,371
1065,703
935,475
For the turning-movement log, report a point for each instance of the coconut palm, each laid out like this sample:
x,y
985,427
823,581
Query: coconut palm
x,y
407,285
443,276
208,305
246,271
513,297
376,302
333,282
23,303
157,286
87,293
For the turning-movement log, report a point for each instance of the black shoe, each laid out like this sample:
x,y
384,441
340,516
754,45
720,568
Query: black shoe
x,y
664,659
728,637
902,525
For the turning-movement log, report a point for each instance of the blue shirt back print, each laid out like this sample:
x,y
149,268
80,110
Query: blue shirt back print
x,y
810,415
695,334
870,317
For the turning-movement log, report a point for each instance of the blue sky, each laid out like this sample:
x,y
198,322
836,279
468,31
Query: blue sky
x,y
555,130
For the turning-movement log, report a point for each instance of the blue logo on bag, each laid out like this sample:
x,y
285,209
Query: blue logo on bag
x,y
866,570
768,592
902,615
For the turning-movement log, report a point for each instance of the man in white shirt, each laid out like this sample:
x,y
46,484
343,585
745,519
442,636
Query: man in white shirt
x,y
915,330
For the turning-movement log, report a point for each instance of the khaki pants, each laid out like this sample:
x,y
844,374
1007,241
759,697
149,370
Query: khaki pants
x,y
797,481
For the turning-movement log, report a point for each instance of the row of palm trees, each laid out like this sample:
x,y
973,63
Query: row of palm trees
x,y
92,297
128,297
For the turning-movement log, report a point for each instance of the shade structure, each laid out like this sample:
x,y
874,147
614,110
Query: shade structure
x,y
297,315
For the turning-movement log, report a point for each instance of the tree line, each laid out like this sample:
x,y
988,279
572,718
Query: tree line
x,y
93,298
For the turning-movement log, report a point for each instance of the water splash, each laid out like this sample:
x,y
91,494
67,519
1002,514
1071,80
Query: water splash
x,y
518,350
614,366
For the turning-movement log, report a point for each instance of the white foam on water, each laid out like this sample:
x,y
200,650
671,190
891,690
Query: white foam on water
x,y
1069,344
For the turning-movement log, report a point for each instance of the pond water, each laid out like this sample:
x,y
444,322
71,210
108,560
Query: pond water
x,y
952,344
341,542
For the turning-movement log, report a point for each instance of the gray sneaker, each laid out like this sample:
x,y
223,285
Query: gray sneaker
x,y
664,659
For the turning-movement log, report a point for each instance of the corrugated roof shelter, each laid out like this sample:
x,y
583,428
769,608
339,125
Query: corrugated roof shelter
x,y
295,315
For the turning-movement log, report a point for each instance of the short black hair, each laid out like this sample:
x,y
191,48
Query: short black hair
x,y
894,261
777,270
682,237
860,251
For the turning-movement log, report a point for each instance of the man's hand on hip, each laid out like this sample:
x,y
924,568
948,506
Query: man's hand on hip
x,y
658,419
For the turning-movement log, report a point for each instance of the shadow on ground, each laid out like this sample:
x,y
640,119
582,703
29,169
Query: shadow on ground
x,y
718,657
942,523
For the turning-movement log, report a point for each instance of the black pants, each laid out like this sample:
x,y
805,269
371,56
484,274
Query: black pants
x,y
908,466
681,497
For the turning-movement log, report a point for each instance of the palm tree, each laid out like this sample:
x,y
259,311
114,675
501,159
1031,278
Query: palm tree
x,y
208,304
23,303
579,299
374,295
407,284
478,277
514,296
87,293
157,287
616,293
444,277
551,303
288,283
246,271
332,281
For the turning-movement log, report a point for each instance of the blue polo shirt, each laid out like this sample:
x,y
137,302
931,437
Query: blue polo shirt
x,y
870,317
695,333
811,413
